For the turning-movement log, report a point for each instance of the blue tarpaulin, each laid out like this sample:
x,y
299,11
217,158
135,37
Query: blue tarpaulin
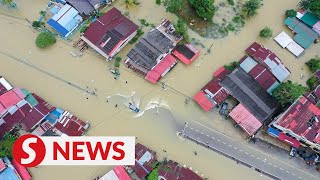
x,y
54,24
273,132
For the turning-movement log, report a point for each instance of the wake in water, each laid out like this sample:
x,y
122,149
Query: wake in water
x,y
155,103
126,100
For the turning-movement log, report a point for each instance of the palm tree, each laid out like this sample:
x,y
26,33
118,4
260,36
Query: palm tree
x,y
250,7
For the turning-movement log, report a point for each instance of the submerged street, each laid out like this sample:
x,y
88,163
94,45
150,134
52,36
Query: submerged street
x,y
62,80
265,163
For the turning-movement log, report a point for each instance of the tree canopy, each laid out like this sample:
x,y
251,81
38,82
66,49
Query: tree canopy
x,y
6,145
250,7
291,13
173,5
45,39
312,5
288,92
182,29
266,33
314,64
203,8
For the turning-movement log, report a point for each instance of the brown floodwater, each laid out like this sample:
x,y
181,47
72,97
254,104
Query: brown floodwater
x,y
157,131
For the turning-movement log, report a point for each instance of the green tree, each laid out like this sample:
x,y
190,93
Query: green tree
x,y
291,13
158,2
153,175
173,5
45,39
304,4
36,24
203,8
83,28
266,33
312,82
182,29
250,7
315,7
288,92
230,2
314,64
129,3
6,145
118,59
116,64
233,65
43,13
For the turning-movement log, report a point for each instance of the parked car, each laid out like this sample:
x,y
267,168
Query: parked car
x,y
224,108
293,152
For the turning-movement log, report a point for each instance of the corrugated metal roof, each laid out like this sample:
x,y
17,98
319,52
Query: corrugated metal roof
x,y
295,49
248,64
245,119
203,101
309,19
9,99
283,39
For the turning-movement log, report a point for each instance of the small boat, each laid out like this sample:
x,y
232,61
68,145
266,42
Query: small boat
x,y
133,108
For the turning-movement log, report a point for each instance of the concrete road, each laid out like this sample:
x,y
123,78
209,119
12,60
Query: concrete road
x,y
244,154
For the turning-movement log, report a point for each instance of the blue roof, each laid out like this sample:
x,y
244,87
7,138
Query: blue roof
x,y
9,174
54,10
71,24
273,132
63,31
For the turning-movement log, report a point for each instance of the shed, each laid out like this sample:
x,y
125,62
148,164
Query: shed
x,y
23,172
186,53
161,69
283,39
65,20
295,49
245,119
309,19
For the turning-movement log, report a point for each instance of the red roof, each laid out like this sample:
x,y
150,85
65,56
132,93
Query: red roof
x,y
202,99
172,170
71,126
161,69
113,25
121,173
4,85
300,118
292,142
186,53
263,76
11,119
216,91
19,93
143,170
245,119
23,172
2,109
221,73
9,99
2,165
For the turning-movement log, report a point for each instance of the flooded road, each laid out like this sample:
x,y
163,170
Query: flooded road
x,y
155,127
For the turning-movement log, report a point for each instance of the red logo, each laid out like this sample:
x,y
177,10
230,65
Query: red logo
x,y
29,150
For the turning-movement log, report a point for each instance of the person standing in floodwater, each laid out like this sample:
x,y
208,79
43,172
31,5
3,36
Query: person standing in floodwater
x,y
116,105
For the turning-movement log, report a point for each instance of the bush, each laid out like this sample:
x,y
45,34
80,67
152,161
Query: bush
x,y
182,29
158,2
266,33
36,24
238,20
144,22
118,59
314,64
312,83
288,92
45,39
203,8
231,27
173,5
232,65
231,2
116,64
6,145
250,7
83,29
291,13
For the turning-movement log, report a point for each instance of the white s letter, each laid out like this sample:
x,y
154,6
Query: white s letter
x,y
26,148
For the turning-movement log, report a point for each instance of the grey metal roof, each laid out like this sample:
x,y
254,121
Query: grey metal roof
x,y
150,48
250,94
83,6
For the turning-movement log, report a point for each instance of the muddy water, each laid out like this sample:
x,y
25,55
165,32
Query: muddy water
x,y
158,131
